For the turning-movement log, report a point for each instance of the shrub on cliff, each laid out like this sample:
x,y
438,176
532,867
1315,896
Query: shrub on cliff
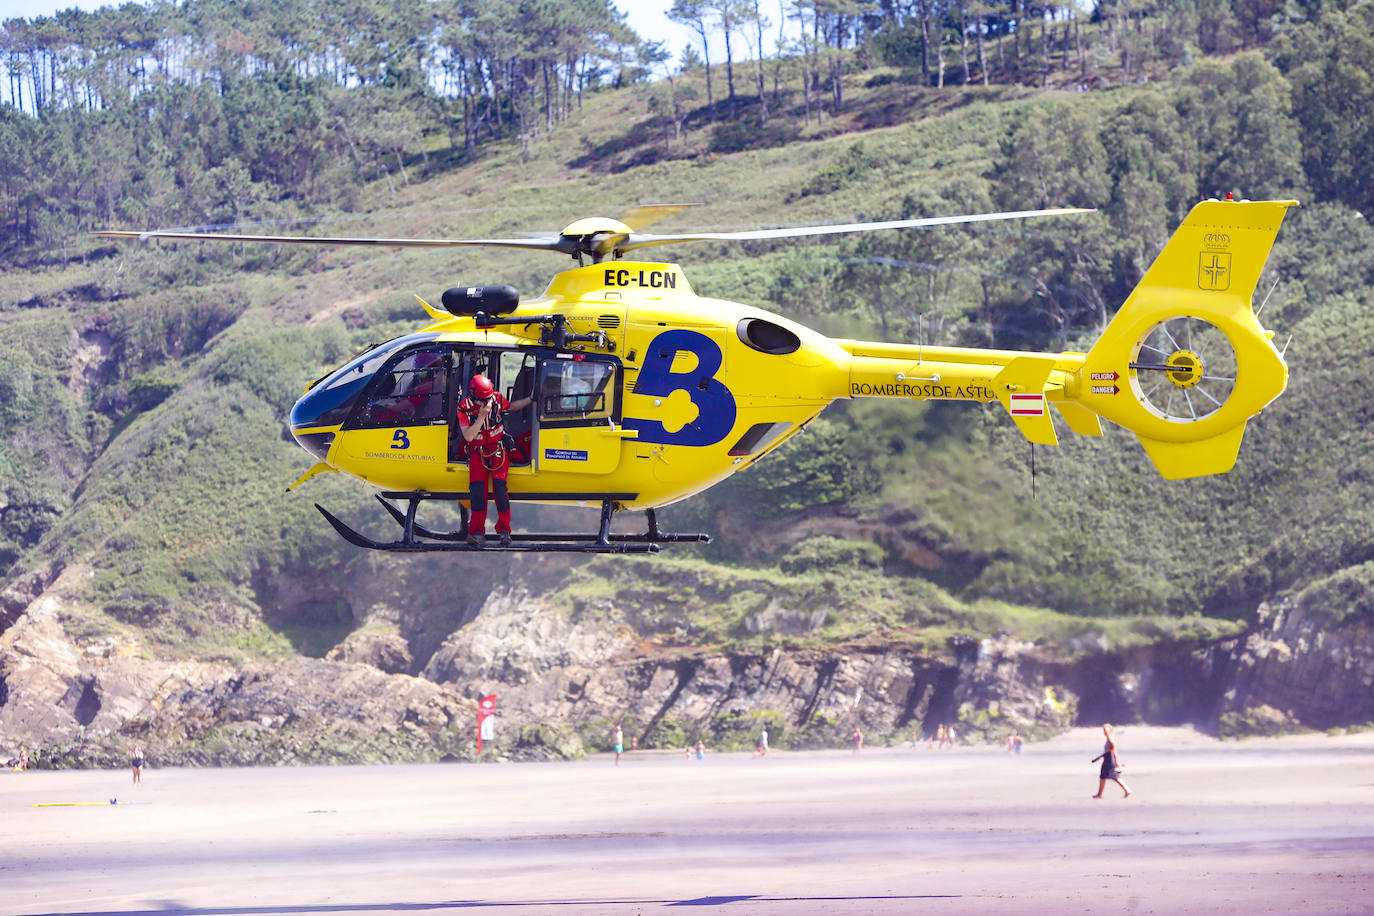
x,y
1262,721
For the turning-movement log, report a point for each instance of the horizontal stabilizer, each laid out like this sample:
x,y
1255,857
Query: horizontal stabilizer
x,y
1021,389
1080,419
1038,428
1179,460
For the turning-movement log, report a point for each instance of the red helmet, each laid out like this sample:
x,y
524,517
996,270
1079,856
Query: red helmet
x,y
481,386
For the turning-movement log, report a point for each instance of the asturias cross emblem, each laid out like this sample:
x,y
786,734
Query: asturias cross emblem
x,y
1214,270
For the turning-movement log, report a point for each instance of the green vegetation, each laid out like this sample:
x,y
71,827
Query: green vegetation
x,y
558,742
1257,722
695,605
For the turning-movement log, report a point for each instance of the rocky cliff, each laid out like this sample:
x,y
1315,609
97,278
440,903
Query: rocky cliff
x,y
75,706
565,678
1307,662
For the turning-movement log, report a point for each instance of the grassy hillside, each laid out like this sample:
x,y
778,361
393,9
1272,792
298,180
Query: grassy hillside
x,y
144,448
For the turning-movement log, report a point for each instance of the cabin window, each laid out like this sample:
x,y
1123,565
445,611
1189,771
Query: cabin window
x,y
767,337
516,383
516,376
410,391
576,390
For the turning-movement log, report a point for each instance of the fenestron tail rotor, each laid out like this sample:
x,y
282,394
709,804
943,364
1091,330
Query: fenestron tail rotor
x,y
597,238
1184,369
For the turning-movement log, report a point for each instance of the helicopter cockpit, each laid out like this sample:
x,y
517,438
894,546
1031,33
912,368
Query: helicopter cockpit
x,y
330,400
417,381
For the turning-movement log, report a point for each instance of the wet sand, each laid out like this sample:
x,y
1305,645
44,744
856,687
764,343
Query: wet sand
x,y
1260,826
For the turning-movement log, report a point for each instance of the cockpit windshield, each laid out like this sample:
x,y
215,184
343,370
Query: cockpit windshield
x,y
329,401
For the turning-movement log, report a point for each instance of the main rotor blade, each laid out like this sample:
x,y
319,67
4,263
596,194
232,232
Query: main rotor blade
x,y
645,215
542,244
644,240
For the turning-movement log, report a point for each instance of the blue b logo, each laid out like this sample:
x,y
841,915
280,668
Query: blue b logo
x,y
715,405
400,440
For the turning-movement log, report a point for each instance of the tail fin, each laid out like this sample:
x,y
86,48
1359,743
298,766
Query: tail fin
x,y
1185,364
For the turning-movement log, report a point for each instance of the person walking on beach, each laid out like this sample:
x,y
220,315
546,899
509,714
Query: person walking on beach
x,y
137,764
761,748
1111,765
858,739
619,743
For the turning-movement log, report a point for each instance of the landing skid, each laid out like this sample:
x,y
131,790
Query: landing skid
x,y
417,538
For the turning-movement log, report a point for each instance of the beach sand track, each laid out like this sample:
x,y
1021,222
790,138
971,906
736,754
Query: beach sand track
x,y
1261,826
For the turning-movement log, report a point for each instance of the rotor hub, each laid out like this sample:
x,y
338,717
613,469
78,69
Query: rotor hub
x,y
1185,368
595,237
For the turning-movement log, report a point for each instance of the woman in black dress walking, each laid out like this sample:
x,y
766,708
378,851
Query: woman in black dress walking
x,y
1111,765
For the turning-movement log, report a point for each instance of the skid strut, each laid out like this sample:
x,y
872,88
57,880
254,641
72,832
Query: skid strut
x,y
417,538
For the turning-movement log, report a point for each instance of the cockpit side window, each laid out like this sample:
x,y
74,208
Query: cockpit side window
x,y
329,401
409,391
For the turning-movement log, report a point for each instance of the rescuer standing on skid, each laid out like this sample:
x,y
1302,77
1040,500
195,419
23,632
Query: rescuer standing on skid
x,y
481,417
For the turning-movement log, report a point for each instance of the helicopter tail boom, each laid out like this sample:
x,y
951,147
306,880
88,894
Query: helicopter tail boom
x,y
1184,364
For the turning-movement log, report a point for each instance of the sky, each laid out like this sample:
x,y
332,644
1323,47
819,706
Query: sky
x,y
647,17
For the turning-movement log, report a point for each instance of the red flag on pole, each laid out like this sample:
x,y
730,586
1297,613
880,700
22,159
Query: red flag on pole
x,y
486,708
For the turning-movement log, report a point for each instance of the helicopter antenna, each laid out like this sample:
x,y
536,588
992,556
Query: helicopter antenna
x,y
1032,445
920,355
1272,287
1284,351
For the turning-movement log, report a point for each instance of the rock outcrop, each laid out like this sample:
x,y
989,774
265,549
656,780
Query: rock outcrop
x,y
1315,667
75,707
565,678
551,669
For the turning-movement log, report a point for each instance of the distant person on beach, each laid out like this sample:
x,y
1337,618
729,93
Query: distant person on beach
x,y
761,747
1111,765
937,738
137,764
23,763
701,749
858,739
619,743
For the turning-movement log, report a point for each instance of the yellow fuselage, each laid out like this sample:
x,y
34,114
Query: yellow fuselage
x,y
688,390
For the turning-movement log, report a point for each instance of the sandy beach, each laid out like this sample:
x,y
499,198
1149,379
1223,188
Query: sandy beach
x,y
1258,826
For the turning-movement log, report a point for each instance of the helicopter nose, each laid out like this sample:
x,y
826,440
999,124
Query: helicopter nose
x,y
317,444
315,420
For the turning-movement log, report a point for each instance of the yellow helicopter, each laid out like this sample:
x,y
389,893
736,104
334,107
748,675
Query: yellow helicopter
x,y
633,392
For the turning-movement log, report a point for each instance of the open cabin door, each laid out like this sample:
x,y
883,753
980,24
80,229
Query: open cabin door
x,y
573,421
512,372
